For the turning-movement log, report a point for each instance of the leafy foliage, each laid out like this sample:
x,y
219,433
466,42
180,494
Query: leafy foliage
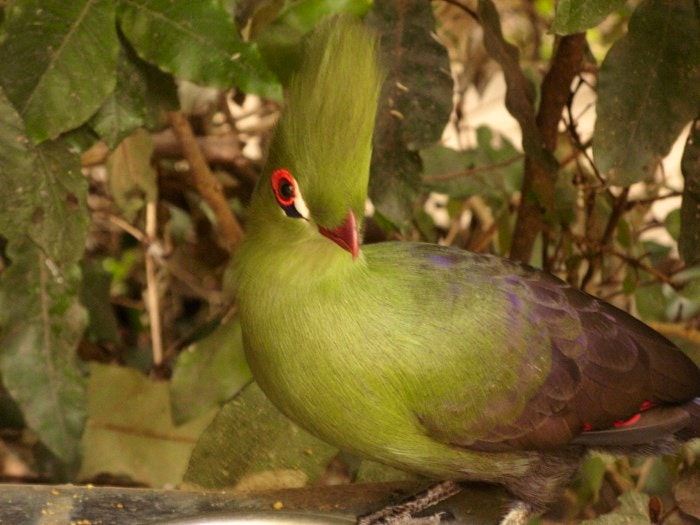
x,y
640,115
105,234
63,65
573,16
417,102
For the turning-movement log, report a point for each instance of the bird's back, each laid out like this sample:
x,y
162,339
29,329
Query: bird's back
x,y
546,362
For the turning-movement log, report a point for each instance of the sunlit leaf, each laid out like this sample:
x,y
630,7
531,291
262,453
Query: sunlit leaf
x,y
574,16
196,41
279,41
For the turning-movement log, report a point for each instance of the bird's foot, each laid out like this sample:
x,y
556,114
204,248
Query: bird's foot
x,y
519,514
402,514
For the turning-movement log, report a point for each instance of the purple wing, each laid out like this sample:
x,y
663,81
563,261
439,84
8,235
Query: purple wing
x,y
605,367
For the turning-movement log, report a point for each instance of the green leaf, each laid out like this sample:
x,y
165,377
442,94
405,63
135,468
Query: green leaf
x,y
43,192
280,40
648,90
415,105
689,237
250,438
575,16
196,41
15,165
95,295
142,94
672,223
41,324
590,480
59,218
651,302
130,431
209,372
58,61
491,172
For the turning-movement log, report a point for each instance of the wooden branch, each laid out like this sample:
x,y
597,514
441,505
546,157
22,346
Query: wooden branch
x,y
464,8
538,183
594,262
62,504
473,171
205,182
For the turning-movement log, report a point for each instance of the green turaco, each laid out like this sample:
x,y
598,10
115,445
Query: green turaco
x,y
450,364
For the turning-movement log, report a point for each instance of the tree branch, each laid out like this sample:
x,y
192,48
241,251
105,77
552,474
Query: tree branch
x,y
538,183
207,185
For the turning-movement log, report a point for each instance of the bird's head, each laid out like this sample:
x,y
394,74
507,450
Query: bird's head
x,y
314,185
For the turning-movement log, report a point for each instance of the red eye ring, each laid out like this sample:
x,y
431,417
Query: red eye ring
x,y
284,187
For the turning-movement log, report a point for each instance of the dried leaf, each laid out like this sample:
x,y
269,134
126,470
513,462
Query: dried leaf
x,y
130,431
132,178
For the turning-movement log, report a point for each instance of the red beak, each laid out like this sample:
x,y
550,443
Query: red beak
x,y
344,235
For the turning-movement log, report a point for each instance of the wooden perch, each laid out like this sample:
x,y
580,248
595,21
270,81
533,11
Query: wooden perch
x,y
62,504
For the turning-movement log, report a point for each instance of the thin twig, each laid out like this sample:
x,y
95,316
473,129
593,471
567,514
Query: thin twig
x,y
128,228
152,297
474,171
464,8
205,182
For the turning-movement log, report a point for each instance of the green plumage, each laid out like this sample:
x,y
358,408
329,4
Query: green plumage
x,y
429,359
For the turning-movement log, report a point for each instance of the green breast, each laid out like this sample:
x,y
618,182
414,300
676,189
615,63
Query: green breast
x,y
363,361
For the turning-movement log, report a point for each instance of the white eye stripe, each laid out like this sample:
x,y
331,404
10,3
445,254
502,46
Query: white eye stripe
x,y
299,203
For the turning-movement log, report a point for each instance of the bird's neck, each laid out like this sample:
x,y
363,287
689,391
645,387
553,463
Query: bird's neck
x,y
293,264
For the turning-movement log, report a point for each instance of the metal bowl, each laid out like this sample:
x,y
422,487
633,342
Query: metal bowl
x,y
263,518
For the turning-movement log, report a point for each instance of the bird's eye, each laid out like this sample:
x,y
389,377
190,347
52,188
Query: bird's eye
x,y
287,195
283,186
286,190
